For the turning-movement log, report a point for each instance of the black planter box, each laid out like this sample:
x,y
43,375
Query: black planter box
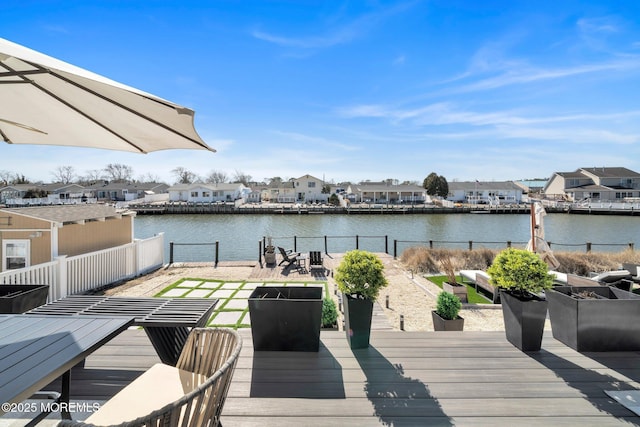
x,y
523,321
16,299
357,321
286,318
611,323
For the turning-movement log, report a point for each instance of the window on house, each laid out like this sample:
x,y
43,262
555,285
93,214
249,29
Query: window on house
x,y
16,254
194,194
311,184
206,194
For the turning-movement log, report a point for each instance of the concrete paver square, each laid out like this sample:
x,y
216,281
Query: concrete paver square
x,y
222,293
175,292
190,284
240,304
227,318
198,293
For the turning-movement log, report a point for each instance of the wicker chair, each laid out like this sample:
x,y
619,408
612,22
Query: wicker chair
x,y
207,361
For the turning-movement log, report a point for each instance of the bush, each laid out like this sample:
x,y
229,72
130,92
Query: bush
x,y
448,305
360,273
520,271
329,313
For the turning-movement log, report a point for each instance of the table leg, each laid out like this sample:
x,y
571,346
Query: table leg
x,y
168,342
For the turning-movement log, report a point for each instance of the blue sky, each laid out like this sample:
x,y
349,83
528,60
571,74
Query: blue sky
x,y
357,90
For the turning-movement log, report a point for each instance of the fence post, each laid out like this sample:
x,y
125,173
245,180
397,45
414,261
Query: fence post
x,y
508,243
430,244
170,252
588,247
631,246
63,285
386,244
470,245
217,252
395,248
295,243
260,253
326,248
357,242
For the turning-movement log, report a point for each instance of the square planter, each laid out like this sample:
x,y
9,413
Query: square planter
x,y
524,320
457,289
441,324
20,298
608,323
286,318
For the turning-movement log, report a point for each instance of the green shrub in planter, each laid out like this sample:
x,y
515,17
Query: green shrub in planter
x,y
520,272
360,276
329,313
448,305
521,275
360,273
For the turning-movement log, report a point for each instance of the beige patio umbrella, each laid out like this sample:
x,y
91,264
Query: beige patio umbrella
x,y
46,101
537,243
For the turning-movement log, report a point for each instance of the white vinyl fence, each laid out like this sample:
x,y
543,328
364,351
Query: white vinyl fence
x,y
78,274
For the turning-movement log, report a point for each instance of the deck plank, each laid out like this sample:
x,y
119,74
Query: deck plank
x,y
404,378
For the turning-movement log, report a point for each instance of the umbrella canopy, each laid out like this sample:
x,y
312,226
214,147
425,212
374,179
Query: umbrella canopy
x,y
46,101
537,243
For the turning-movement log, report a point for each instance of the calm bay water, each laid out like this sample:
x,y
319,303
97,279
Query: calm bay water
x,y
238,235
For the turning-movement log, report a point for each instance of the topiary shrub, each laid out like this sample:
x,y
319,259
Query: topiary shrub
x,y
448,305
329,313
360,274
520,271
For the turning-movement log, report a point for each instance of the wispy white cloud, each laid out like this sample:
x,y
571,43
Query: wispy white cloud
x,y
337,34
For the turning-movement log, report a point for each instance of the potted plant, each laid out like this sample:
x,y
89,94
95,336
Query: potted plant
x,y
451,285
329,314
595,318
522,276
445,316
360,276
269,253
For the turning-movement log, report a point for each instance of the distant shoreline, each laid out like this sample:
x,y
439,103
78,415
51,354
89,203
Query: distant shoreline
x,y
361,209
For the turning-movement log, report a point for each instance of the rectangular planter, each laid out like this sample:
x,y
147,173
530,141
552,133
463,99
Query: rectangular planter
x,y
357,321
286,318
608,324
20,298
457,289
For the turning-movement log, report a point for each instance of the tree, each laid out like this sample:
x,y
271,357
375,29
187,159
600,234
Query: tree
x,y
118,172
92,176
217,177
242,177
5,177
436,185
184,176
64,174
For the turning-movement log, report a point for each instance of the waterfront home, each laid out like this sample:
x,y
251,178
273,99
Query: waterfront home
x,y
613,184
125,191
43,194
367,192
36,235
309,189
208,193
485,192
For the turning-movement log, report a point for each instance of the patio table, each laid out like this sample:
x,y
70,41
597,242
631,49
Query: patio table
x,y
36,350
167,321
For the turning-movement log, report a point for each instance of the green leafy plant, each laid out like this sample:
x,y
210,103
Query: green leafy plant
x,y
329,313
448,305
360,273
520,271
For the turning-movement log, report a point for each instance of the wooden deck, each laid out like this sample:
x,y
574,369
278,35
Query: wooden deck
x,y
403,379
